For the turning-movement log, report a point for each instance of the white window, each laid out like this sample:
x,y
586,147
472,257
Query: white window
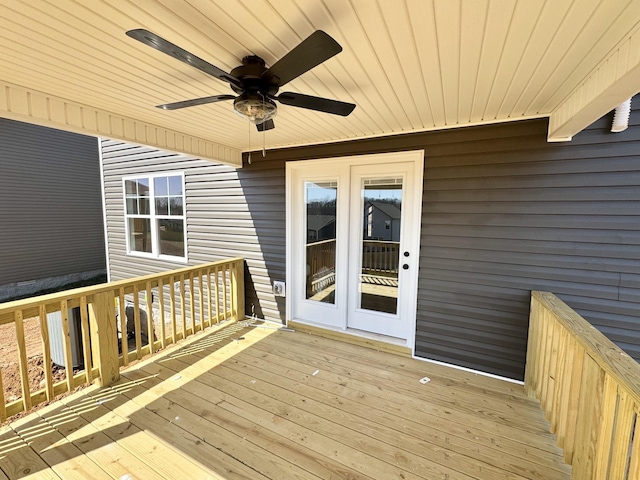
x,y
155,216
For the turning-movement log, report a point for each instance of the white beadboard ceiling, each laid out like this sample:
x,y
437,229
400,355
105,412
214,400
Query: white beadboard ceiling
x,y
409,65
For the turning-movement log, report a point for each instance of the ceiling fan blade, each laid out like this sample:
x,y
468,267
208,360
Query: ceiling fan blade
x,y
164,46
195,101
315,49
316,103
267,125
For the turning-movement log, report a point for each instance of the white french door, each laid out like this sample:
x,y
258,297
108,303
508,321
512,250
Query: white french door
x,y
353,240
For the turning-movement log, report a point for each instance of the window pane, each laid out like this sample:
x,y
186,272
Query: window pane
x,y
130,187
143,206
321,241
161,186
162,206
143,186
382,213
176,205
140,234
171,236
132,205
175,185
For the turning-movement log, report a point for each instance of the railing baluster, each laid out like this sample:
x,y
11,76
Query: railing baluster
x,y
66,345
233,307
574,403
192,303
621,448
606,421
22,361
124,333
172,307
150,326
86,339
224,289
634,461
215,283
559,386
46,352
136,322
182,307
3,409
201,300
161,312
209,309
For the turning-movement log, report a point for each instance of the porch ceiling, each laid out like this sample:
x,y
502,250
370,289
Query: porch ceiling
x,y
410,65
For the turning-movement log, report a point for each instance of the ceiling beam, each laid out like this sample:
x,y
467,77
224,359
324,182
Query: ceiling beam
x,y
613,81
19,103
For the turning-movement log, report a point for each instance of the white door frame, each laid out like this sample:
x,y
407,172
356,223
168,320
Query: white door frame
x,y
296,169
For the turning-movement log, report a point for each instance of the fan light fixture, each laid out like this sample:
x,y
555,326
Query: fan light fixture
x,y
254,107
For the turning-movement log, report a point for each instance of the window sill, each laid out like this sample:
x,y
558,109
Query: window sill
x,y
164,258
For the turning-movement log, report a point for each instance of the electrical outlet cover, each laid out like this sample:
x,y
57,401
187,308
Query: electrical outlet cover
x,y
278,288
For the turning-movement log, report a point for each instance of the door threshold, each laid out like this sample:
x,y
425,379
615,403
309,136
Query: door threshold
x,y
371,340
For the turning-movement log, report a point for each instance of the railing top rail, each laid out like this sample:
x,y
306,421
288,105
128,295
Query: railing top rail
x,y
624,369
321,242
10,307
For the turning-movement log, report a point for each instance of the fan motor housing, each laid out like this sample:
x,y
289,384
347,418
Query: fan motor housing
x,y
250,74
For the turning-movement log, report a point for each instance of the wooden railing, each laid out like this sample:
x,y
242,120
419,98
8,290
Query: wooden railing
x,y
321,263
119,322
588,388
380,257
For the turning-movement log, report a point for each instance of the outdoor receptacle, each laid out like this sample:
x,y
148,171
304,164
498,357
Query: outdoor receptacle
x,y
278,288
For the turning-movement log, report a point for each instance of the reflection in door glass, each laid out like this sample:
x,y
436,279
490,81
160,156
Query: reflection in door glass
x,y
382,206
320,201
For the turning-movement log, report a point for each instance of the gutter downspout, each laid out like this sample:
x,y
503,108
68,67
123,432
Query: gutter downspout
x,y
621,117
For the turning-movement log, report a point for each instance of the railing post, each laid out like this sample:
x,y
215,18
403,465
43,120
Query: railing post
x,y
238,289
104,337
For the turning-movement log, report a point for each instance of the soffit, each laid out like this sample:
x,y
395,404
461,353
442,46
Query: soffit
x,y
413,65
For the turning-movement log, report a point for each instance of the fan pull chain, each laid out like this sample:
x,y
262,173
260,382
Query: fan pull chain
x,y
264,130
249,159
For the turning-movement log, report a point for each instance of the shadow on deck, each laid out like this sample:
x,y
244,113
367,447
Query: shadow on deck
x,y
256,403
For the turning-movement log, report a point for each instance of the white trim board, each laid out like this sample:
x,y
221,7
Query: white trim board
x,y
330,164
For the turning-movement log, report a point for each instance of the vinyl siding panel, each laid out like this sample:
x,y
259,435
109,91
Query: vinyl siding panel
x,y
504,212
51,212
527,216
230,213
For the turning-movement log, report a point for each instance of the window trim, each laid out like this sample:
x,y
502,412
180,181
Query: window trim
x,y
153,217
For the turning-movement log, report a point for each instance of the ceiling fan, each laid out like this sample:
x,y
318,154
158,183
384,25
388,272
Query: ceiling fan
x,y
256,85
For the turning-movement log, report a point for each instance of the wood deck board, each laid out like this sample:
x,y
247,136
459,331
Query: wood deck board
x,y
245,403
445,435
508,413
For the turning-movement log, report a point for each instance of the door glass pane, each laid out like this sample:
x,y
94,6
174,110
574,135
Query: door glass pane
x,y
378,282
320,199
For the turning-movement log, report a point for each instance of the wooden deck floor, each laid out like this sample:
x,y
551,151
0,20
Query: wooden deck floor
x,y
255,404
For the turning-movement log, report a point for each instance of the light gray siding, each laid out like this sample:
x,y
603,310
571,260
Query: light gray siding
x,y
230,213
50,205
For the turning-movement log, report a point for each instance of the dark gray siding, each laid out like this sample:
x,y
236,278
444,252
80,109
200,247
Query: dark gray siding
x,y
51,221
504,213
509,215
230,213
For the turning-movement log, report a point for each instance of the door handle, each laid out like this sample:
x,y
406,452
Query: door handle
x,y
405,266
